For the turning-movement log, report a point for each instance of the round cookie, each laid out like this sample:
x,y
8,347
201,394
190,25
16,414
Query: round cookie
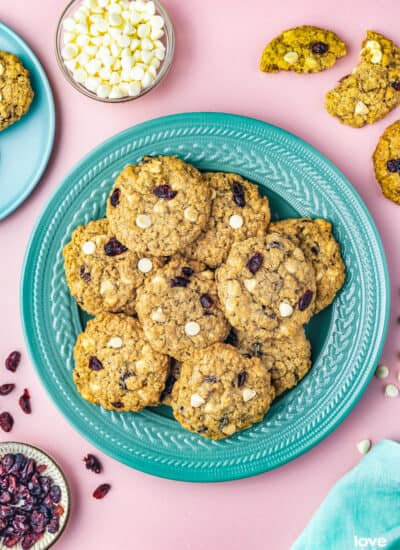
x,y
237,213
321,249
102,274
287,359
267,287
173,376
387,162
115,367
159,206
179,309
16,92
305,49
372,89
220,392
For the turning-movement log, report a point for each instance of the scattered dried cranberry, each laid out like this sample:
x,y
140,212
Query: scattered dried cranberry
x,y
187,271
101,490
164,192
25,402
396,85
95,364
305,300
92,463
117,404
6,421
210,379
242,376
255,262
31,538
114,199
275,244
238,194
84,273
114,247
179,281
206,301
5,389
55,493
319,48
13,360
315,249
393,165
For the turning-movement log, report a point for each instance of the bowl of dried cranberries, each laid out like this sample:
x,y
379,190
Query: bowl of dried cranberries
x,y
34,498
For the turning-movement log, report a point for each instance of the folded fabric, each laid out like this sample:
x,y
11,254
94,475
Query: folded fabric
x,y
363,508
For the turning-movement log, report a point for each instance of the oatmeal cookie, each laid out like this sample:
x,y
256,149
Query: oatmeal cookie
x,y
321,249
16,92
115,367
179,309
267,287
237,213
159,206
387,162
372,90
102,274
220,392
305,49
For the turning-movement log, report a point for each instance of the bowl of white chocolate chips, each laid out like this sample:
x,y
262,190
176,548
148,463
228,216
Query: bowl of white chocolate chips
x,y
115,50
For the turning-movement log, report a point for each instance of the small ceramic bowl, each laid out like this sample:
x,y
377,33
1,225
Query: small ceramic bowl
x,y
54,471
168,40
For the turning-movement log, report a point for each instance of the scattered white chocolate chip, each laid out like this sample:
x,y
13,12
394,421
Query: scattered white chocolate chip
x,y
248,394
88,247
382,371
115,342
291,57
361,108
158,316
190,214
250,284
106,286
230,305
192,328
140,366
285,309
143,221
196,400
391,390
236,221
364,446
376,56
372,45
145,265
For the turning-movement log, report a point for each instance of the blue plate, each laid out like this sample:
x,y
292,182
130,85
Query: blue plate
x,y
30,139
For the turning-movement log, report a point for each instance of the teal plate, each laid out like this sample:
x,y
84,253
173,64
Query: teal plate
x,y
25,147
347,338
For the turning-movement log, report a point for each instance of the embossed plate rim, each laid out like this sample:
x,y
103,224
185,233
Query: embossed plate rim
x,y
224,466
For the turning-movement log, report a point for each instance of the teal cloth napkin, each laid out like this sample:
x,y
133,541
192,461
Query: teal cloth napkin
x,y
363,508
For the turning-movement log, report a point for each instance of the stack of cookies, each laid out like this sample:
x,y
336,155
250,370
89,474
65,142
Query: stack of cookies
x,y
199,301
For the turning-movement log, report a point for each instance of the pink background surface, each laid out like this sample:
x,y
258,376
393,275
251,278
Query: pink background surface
x,y
215,69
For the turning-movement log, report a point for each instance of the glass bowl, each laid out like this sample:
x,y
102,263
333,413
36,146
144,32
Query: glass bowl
x,y
168,40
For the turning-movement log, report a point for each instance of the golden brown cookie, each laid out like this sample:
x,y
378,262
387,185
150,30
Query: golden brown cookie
x,y
16,92
387,162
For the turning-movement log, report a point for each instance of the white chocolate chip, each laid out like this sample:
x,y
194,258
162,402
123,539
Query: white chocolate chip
x,y
236,221
106,286
143,221
88,247
141,366
250,284
391,390
1,69
145,265
230,305
196,400
115,342
210,407
364,446
158,315
372,45
158,280
291,57
192,328
248,394
190,214
285,309
382,371
361,108
376,56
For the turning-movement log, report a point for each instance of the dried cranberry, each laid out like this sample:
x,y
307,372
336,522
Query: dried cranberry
x,y
396,85
114,199
20,523
95,364
28,470
13,360
242,376
179,281
11,540
238,194
393,165
84,273
319,48
41,468
25,402
122,380
7,461
315,250
187,271
274,244
255,262
38,521
101,490
6,421
5,389
305,300
164,192
29,540
19,463
53,526
6,511
55,493
5,497
114,247
92,463
210,379
206,301
117,404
